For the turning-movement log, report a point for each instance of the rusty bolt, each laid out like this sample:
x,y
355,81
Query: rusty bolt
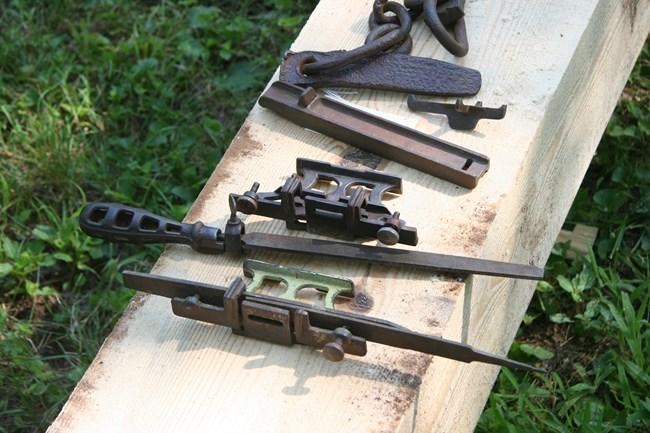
x,y
333,350
389,233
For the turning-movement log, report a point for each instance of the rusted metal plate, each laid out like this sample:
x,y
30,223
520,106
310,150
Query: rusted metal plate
x,y
375,134
389,71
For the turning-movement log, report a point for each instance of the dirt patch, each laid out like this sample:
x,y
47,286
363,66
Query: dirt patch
x,y
360,157
413,366
475,233
452,288
121,328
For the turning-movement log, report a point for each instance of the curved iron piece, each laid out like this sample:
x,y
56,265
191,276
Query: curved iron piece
x,y
381,44
449,15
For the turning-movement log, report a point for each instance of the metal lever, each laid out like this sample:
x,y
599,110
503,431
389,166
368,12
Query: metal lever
x,y
460,116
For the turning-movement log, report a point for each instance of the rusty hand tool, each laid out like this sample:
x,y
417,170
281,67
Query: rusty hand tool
x,y
287,322
353,207
382,63
445,18
375,134
119,223
460,116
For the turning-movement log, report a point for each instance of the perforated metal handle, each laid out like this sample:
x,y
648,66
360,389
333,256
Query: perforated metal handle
x,y
119,223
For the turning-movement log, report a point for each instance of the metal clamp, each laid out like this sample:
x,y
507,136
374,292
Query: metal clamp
x,y
353,207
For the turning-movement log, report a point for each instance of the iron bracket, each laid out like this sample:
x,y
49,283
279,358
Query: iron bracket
x,y
460,116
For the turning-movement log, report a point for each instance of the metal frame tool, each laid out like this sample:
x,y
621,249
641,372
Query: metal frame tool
x,y
353,207
285,322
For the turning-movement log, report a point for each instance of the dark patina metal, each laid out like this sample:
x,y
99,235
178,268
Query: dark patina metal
x,y
375,134
376,45
119,223
460,116
288,322
383,63
353,207
447,22
391,71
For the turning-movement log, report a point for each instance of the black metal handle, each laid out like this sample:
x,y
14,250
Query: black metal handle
x,y
119,223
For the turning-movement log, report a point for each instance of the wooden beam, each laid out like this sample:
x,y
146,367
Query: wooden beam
x,y
560,66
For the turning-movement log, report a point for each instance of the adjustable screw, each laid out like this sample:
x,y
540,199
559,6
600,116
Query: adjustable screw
x,y
388,234
333,350
247,203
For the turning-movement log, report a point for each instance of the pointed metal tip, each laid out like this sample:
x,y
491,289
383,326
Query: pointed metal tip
x,y
511,363
505,362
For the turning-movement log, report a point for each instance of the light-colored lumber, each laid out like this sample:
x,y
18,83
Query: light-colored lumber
x,y
560,66
580,240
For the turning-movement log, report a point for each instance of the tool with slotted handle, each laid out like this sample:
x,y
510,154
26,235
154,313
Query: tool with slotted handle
x,y
119,223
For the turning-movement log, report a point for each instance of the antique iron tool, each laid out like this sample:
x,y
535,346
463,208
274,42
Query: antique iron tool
x,y
286,322
375,134
296,280
390,71
119,223
384,63
460,116
445,18
354,207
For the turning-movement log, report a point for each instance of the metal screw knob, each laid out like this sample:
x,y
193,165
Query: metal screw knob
x,y
388,234
247,203
333,350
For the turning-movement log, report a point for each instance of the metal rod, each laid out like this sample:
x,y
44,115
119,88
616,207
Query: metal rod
x,y
390,256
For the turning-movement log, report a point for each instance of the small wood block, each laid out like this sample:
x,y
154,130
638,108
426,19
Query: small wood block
x,y
581,240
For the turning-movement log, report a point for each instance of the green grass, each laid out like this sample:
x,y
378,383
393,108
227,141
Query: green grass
x,y
113,100
136,102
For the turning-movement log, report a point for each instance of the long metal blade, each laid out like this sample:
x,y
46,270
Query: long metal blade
x,y
390,256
